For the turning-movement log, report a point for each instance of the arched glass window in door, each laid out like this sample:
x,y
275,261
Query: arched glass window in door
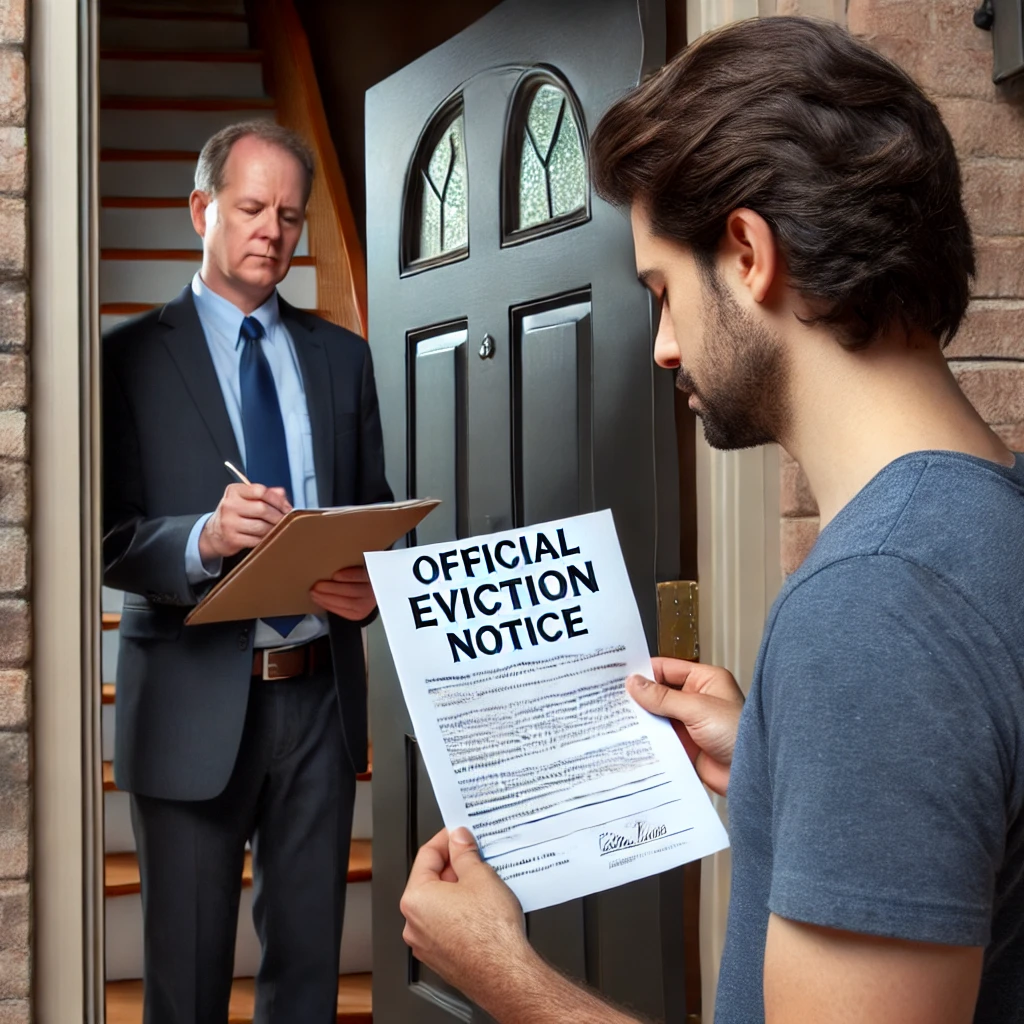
x,y
436,226
546,184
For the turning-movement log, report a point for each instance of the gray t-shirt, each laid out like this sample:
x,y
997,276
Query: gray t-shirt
x,y
878,777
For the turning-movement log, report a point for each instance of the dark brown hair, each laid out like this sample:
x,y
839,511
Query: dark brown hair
x,y
833,145
215,153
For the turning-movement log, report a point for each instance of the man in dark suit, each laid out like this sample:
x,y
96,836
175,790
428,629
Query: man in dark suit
x,y
231,732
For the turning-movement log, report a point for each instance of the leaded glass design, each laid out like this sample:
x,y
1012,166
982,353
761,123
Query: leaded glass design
x,y
552,171
444,219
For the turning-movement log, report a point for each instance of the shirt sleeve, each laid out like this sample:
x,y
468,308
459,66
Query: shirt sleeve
x,y
197,570
888,765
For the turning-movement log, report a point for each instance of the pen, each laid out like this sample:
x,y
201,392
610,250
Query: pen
x,y
241,476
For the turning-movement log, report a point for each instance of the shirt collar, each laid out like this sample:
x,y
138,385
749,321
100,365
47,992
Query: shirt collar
x,y
226,318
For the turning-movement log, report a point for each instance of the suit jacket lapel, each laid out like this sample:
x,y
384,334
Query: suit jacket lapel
x,y
316,379
188,348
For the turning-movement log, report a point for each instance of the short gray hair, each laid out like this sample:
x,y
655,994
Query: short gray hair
x,y
210,166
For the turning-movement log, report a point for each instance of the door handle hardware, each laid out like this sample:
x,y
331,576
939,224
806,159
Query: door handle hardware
x,y
678,620
487,347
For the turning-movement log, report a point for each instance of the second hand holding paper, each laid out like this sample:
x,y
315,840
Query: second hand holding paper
x,y
512,650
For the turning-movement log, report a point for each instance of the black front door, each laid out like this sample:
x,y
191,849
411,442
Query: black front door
x,y
512,345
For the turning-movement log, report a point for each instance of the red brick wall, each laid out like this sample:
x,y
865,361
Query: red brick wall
x,y
936,41
15,794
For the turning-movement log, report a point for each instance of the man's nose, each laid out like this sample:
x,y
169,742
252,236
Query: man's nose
x,y
271,226
666,349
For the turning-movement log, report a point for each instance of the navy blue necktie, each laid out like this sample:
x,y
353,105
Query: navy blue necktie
x,y
266,449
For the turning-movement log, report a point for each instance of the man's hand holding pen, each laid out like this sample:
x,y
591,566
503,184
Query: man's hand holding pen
x,y
247,513
243,517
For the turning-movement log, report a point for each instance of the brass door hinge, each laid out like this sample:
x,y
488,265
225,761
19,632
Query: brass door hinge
x,y
679,620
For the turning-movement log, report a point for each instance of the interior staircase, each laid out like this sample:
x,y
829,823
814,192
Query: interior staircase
x,y
171,74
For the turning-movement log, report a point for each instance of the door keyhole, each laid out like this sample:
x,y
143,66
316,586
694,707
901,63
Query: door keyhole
x,y
487,347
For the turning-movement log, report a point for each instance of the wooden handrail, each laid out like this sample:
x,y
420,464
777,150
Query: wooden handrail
x,y
333,237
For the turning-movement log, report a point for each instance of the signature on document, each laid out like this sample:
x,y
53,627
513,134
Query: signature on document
x,y
635,833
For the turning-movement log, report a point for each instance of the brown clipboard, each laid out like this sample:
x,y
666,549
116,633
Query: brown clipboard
x,y
305,546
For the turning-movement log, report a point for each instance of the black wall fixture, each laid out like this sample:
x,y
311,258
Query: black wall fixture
x,y
1005,20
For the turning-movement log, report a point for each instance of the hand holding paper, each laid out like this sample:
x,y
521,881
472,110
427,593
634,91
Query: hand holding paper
x,y
347,593
464,923
459,913
704,704
513,651
455,911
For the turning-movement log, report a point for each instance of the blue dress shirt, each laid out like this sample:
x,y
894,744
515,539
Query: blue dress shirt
x,y
221,322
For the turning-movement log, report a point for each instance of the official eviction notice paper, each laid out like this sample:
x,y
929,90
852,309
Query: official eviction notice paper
x,y
512,650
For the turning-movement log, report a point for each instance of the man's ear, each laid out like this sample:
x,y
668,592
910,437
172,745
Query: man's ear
x,y
749,252
198,204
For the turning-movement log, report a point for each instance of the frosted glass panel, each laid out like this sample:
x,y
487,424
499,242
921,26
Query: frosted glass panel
x,y
533,190
567,170
444,220
552,171
545,115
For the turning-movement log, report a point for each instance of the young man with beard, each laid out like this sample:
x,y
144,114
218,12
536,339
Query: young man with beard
x,y
796,210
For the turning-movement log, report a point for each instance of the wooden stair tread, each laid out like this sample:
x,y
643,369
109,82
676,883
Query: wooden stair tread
x,y
147,155
143,202
121,870
111,620
120,309
110,786
179,254
108,693
130,309
199,56
187,103
168,14
355,1001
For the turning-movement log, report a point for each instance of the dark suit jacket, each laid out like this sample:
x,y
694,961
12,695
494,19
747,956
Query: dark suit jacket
x,y
182,691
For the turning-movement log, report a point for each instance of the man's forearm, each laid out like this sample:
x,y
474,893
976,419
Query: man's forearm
x,y
533,992
147,557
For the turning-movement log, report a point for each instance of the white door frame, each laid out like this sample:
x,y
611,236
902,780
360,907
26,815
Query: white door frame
x,y
67,872
739,569
738,562
738,536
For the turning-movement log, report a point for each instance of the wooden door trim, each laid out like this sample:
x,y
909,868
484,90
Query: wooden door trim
x,y
67,790
333,236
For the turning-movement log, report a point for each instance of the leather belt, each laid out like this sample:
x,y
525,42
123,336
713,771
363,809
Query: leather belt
x,y
276,663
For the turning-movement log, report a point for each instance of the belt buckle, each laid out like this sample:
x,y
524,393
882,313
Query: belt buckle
x,y
268,664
